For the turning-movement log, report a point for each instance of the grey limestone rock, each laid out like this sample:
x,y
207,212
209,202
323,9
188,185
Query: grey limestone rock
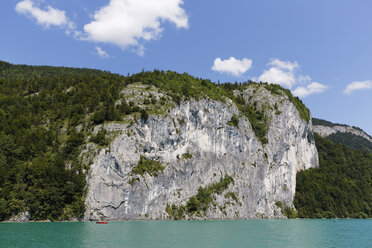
x,y
21,217
263,173
325,131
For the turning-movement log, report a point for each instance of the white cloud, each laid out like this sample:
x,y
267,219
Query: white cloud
x,y
284,65
48,17
281,72
232,66
102,53
310,89
130,23
125,23
303,79
278,76
286,74
358,86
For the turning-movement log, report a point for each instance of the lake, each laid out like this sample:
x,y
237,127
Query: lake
x,y
205,234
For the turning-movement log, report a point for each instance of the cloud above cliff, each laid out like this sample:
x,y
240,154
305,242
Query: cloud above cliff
x,y
232,66
286,73
310,89
354,86
131,23
280,72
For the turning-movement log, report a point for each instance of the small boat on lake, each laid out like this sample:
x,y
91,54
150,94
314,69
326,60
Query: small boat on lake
x,y
101,222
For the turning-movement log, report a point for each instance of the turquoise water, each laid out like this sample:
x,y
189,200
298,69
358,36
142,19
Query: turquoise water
x,y
204,234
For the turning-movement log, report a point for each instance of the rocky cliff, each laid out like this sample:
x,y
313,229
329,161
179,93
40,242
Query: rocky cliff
x,y
199,159
326,130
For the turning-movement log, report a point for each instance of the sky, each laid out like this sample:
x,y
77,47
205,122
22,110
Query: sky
x,y
321,49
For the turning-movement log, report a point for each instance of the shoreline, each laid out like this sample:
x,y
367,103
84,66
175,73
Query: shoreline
x,y
153,220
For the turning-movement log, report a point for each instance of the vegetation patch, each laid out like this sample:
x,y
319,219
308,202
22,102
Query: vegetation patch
x,y
234,121
147,98
275,89
145,165
144,115
187,156
256,117
100,138
176,212
289,212
232,195
199,204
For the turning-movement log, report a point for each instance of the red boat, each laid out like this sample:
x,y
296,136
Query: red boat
x,y
101,222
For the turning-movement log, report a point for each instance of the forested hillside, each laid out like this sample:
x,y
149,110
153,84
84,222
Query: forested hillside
x,y
40,108
352,141
340,187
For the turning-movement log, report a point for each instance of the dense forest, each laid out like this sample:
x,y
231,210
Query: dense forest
x,y
351,140
47,116
340,187
40,108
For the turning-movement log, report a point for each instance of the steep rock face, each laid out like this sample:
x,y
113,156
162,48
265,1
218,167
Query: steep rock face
x,y
325,131
197,147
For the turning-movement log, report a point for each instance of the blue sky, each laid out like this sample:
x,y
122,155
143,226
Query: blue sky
x,y
321,50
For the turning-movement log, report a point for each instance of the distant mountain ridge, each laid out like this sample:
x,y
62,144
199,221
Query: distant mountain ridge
x,y
351,136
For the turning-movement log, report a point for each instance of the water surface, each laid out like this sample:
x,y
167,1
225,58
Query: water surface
x,y
205,234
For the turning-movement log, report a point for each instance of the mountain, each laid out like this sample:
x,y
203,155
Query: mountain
x,y
88,144
341,186
350,136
